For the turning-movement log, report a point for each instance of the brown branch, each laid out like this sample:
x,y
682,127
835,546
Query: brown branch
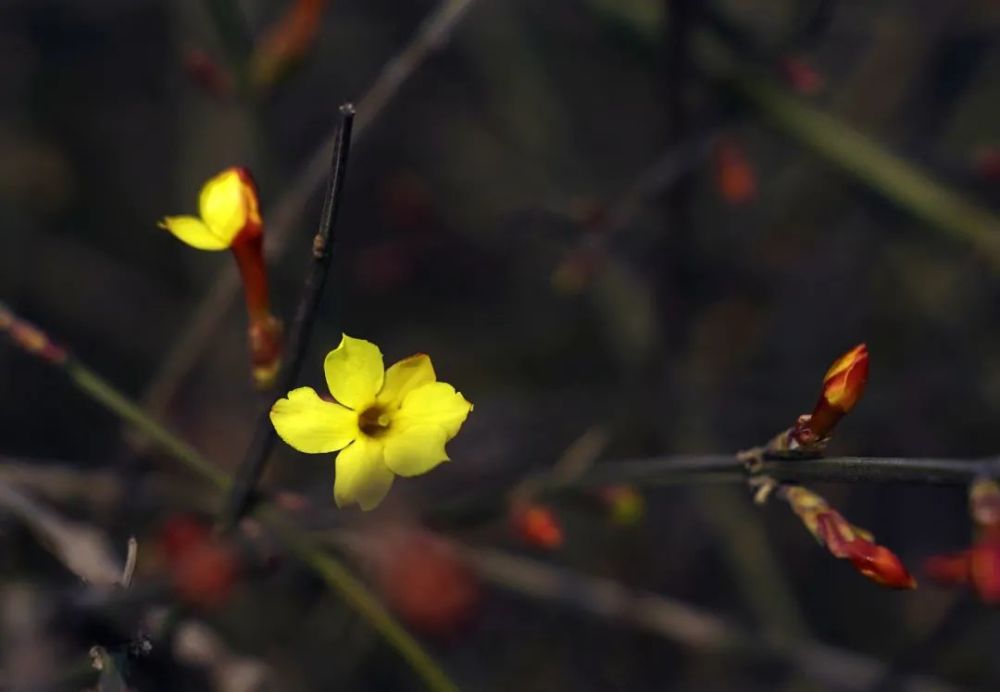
x,y
239,497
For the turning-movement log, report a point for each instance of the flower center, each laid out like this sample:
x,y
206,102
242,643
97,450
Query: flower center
x,y
374,421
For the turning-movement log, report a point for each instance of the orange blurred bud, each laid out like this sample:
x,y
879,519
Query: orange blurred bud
x,y
287,42
843,385
30,338
979,566
734,175
202,568
425,581
949,570
537,526
846,541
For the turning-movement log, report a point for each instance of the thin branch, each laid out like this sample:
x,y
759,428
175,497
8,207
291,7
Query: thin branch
x,y
723,468
197,334
250,470
683,624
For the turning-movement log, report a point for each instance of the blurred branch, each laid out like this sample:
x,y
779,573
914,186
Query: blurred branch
x,y
249,472
197,334
82,549
683,623
33,341
865,160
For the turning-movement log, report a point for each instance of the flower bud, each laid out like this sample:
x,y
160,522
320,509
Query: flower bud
x,y
202,568
426,582
734,175
287,42
846,541
843,386
537,526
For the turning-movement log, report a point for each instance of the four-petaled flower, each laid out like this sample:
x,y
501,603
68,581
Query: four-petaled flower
x,y
384,422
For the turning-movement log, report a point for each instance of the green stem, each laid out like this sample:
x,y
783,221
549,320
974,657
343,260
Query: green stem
x,y
359,597
104,393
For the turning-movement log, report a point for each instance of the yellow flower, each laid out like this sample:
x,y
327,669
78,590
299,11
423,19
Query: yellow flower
x,y
387,422
227,206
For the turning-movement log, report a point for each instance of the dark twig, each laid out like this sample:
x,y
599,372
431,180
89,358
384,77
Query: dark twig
x,y
721,468
245,480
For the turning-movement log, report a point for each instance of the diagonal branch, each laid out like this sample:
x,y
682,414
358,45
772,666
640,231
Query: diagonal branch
x,y
248,474
682,623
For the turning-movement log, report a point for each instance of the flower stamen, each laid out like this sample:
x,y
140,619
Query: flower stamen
x,y
374,421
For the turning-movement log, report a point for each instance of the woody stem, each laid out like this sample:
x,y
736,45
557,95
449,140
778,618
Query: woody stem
x,y
240,496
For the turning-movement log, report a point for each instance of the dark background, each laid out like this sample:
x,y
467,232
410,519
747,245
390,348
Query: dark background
x,y
696,325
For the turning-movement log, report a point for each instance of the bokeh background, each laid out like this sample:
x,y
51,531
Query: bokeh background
x,y
587,214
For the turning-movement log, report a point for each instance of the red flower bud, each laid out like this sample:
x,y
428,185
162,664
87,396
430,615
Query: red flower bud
x,y
201,567
287,42
537,526
734,175
846,541
425,581
843,385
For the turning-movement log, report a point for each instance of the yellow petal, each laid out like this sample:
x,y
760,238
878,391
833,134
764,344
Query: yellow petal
x,y
223,206
436,403
354,372
312,425
405,376
362,477
415,450
193,232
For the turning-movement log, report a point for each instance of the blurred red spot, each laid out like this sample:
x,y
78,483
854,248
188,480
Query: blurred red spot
x,y
202,568
734,175
800,75
537,526
424,580
206,73
987,163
